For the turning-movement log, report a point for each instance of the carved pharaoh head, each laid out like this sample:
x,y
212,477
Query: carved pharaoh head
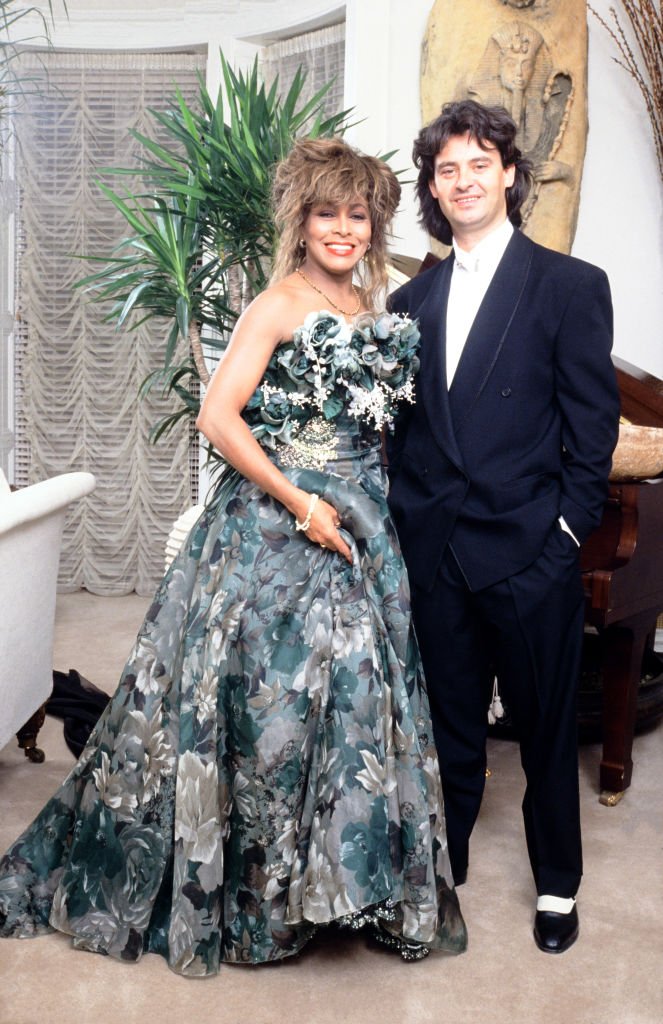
x,y
519,45
513,73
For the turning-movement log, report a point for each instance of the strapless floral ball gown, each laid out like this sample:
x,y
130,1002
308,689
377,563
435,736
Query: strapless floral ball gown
x,y
266,766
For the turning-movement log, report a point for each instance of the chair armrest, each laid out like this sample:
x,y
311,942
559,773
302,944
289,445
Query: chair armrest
x,y
44,498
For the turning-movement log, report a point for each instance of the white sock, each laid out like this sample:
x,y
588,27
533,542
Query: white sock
x,y
556,904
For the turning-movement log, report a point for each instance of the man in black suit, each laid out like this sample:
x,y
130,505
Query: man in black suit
x,y
498,473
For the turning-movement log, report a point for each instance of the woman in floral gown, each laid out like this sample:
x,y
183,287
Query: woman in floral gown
x,y
266,765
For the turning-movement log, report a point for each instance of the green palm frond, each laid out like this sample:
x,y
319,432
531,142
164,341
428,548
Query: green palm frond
x,y
12,81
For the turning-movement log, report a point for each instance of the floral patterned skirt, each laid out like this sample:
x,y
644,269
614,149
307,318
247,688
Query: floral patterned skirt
x,y
266,765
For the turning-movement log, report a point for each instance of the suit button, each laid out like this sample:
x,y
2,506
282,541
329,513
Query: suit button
x,y
506,392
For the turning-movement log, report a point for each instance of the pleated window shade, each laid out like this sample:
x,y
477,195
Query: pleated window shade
x,y
76,378
321,54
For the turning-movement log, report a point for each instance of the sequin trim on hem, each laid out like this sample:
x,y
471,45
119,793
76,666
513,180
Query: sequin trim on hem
x,y
375,918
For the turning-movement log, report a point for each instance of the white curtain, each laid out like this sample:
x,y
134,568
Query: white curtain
x,y
76,377
7,208
321,54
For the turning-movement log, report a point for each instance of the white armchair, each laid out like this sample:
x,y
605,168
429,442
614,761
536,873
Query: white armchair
x,y
31,523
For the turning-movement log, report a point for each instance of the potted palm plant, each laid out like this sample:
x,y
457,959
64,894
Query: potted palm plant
x,y
201,236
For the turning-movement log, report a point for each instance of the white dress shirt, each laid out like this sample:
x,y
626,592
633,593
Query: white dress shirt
x,y
472,273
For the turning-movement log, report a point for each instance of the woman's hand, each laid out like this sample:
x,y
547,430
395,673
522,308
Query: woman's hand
x,y
323,530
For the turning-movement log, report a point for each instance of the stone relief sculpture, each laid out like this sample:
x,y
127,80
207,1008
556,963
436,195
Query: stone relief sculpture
x,y
516,72
529,56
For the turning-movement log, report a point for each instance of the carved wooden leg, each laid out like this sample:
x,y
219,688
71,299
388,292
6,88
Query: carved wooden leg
x,y
27,736
622,670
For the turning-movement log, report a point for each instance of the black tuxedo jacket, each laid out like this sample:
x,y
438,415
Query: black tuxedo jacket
x,y
526,431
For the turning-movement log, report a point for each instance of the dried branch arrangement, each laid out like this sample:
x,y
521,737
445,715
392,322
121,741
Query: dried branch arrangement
x,y
646,18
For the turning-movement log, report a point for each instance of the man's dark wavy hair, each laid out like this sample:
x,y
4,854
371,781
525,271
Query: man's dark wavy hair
x,y
491,127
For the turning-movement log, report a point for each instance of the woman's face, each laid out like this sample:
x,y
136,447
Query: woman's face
x,y
337,235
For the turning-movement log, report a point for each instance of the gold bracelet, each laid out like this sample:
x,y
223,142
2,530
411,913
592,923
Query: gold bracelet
x,y
305,523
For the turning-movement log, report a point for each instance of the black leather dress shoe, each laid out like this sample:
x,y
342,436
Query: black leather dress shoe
x,y
554,933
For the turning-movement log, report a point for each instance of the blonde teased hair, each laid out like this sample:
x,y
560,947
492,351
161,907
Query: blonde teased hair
x,y
318,171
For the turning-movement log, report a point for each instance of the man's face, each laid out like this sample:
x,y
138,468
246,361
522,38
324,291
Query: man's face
x,y
470,185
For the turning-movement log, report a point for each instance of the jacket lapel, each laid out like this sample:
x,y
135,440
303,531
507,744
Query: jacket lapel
x,y
490,327
432,377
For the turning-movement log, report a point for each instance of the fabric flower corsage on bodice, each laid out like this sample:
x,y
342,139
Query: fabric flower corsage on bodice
x,y
331,369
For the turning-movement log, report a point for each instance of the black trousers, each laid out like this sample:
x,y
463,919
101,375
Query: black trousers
x,y
527,630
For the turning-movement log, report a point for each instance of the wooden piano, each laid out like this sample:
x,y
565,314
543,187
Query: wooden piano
x,y
622,565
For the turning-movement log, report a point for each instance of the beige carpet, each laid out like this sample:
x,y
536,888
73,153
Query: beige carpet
x,y
613,975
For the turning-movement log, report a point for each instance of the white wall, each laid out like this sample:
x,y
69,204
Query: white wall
x,y
620,224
